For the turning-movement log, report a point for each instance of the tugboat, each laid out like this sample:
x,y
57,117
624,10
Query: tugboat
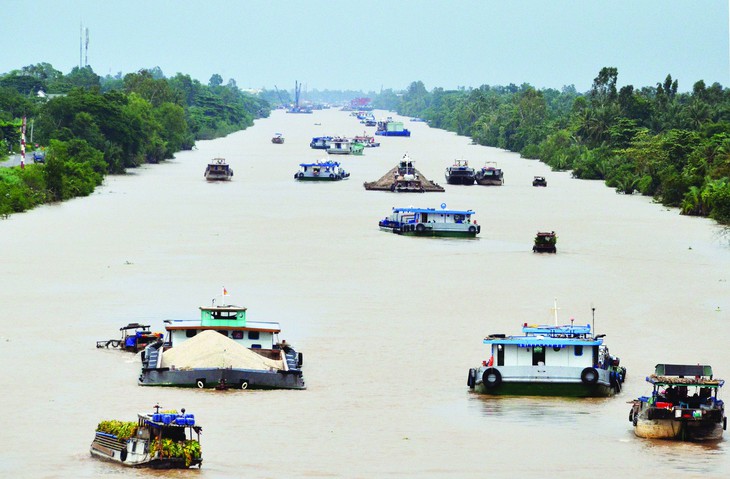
x,y
545,242
430,222
539,181
490,175
218,170
683,405
564,360
162,440
321,171
460,173
278,139
135,337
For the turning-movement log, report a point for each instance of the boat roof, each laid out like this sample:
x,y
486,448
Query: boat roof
x,y
223,307
433,210
550,336
134,326
705,382
321,163
263,326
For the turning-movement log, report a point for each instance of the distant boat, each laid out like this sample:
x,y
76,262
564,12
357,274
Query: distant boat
x,y
460,173
489,175
321,171
278,139
430,222
389,127
218,170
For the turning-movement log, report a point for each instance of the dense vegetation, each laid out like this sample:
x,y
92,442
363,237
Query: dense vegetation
x,y
654,140
91,126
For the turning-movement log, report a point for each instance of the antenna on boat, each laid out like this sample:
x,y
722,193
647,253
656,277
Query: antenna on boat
x,y
555,311
593,318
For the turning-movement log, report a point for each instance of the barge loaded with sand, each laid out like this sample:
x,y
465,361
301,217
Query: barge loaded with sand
x,y
222,350
404,178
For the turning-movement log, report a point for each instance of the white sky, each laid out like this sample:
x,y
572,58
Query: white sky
x,y
367,45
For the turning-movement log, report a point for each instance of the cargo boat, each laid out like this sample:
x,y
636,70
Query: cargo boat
x,y
430,222
489,175
460,173
218,170
560,360
158,440
389,127
135,337
278,365
683,405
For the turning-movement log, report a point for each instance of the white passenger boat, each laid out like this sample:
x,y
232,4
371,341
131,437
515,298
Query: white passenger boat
x,y
431,222
324,170
565,360
683,405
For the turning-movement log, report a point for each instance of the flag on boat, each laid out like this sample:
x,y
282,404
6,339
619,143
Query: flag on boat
x,y
225,291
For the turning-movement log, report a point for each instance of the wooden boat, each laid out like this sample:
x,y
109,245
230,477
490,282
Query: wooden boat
x,y
135,337
460,173
161,440
489,175
539,181
683,405
560,360
218,170
277,139
430,222
545,242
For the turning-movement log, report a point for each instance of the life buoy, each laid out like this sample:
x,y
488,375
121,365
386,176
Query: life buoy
x,y
123,455
471,378
589,376
244,384
491,378
200,383
420,227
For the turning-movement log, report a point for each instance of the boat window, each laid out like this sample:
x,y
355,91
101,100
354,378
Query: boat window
x,y
538,356
189,333
500,355
255,346
578,350
458,218
253,335
237,334
224,333
134,446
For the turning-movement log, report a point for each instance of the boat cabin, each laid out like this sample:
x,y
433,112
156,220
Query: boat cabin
x,y
566,346
229,321
539,181
339,146
685,386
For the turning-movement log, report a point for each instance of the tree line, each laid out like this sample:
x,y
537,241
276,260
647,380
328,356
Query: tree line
x,y
90,126
654,140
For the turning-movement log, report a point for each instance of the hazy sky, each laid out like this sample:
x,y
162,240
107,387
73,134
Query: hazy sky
x,y
390,43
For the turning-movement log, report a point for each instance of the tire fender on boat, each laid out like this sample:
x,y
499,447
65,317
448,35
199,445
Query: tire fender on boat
x,y
244,384
200,383
472,229
471,378
589,375
491,378
420,227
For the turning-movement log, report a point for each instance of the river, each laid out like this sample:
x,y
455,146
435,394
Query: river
x,y
388,325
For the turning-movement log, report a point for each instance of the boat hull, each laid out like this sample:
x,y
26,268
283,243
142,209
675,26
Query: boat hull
x,y
678,430
393,133
489,181
432,232
222,378
113,451
544,381
320,178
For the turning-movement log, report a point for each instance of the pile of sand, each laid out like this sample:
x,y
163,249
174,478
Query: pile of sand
x,y
389,178
210,349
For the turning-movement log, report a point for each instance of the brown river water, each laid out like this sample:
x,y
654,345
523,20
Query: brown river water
x,y
388,325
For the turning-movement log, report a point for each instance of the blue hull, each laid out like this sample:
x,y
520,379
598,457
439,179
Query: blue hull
x,y
393,133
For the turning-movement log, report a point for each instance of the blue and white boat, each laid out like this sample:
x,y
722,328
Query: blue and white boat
x,y
390,127
320,142
324,170
431,222
561,360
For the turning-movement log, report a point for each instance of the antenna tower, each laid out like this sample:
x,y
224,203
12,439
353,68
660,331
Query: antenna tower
x,y
86,49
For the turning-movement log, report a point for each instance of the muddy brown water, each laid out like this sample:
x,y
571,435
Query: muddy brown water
x,y
388,325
